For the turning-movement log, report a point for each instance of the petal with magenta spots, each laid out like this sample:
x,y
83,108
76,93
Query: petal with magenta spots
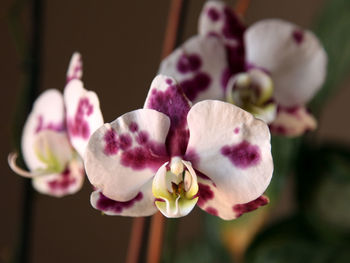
x,y
47,114
120,160
232,149
218,19
75,68
83,114
206,80
216,202
69,181
167,97
140,205
295,59
293,121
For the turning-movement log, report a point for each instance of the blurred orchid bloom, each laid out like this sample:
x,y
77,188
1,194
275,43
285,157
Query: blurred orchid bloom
x,y
170,156
272,69
56,133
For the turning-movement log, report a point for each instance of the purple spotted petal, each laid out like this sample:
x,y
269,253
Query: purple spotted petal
x,y
232,149
83,114
293,121
215,202
122,156
241,209
200,66
166,96
75,69
140,205
218,19
68,182
47,114
294,57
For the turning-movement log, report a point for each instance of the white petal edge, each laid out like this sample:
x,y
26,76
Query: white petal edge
x,y
83,114
75,68
47,114
293,123
106,170
216,125
141,205
297,64
212,55
62,184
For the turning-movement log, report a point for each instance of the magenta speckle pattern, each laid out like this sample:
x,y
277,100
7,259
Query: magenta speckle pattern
x,y
242,155
204,193
62,183
133,127
78,126
111,142
199,83
189,63
236,130
145,154
48,126
240,209
233,28
125,141
278,129
76,70
298,36
174,104
213,14
212,211
142,138
108,205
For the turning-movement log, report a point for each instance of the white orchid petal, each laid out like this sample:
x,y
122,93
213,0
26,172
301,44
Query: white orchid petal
x,y
217,203
140,205
47,114
219,19
75,68
167,97
121,157
53,150
293,122
83,114
232,148
294,57
200,66
61,184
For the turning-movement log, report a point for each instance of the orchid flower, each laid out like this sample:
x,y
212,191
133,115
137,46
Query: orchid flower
x,y
56,133
170,156
272,69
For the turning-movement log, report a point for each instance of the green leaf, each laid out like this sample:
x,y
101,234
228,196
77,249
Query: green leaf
x,y
323,183
333,30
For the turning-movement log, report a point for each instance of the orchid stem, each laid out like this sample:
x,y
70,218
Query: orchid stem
x,y
242,7
31,57
174,25
156,238
136,238
172,37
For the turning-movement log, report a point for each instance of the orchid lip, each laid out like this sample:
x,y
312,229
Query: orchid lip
x,y
175,188
253,91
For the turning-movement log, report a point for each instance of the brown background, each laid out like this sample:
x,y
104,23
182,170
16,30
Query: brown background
x,y
121,46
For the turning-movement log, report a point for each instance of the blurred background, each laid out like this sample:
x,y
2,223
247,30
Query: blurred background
x,y
121,44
